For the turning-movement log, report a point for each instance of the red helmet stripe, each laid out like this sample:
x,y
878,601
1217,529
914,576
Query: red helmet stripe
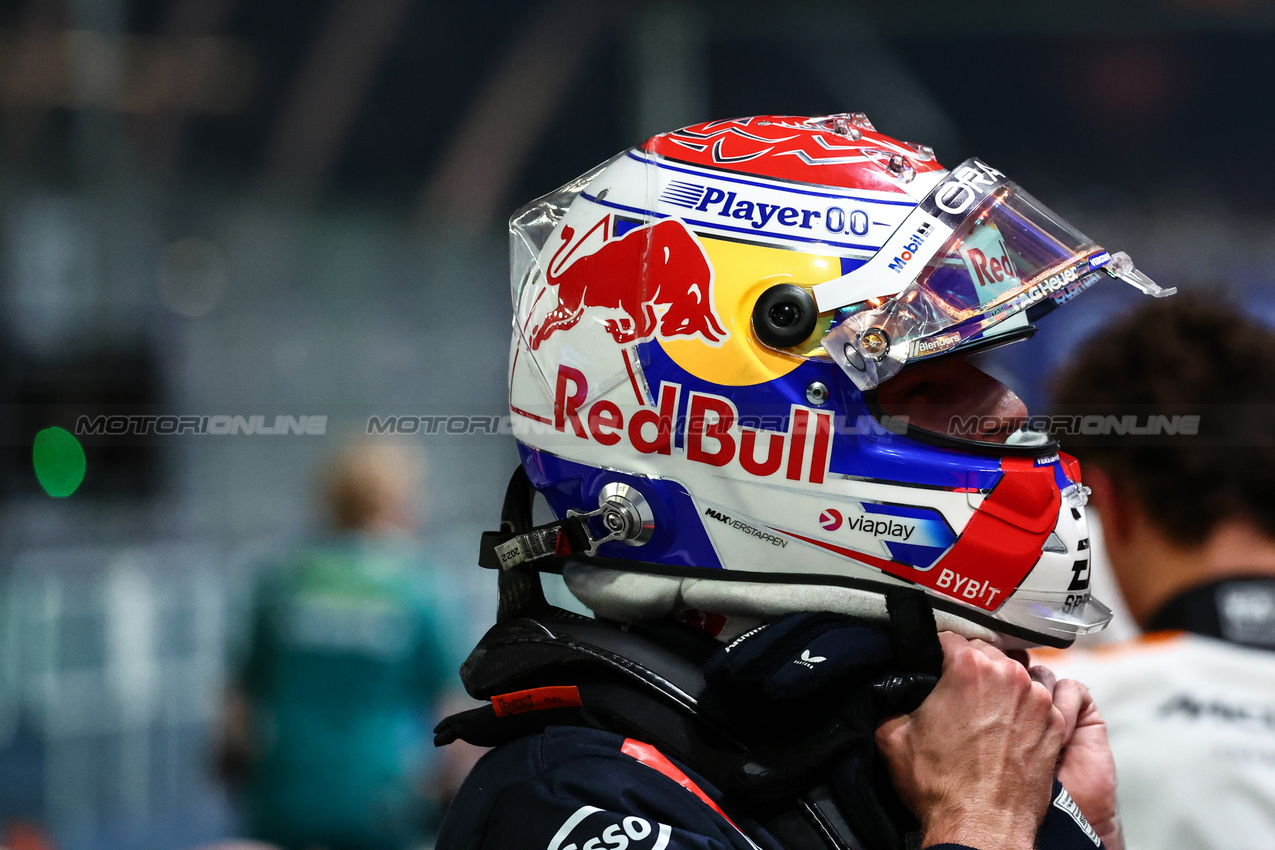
x,y
998,548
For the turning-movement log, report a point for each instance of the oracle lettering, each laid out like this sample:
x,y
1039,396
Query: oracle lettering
x,y
965,185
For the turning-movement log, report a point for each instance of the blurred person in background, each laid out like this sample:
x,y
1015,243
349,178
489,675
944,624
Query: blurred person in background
x,y
1188,520
346,665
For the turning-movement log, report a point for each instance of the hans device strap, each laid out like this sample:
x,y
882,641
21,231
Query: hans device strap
x,y
625,683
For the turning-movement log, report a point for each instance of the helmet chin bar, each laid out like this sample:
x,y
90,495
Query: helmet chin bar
x,y
628,591
633,590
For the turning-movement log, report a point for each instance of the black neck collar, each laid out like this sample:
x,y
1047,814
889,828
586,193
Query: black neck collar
x,y
1239,610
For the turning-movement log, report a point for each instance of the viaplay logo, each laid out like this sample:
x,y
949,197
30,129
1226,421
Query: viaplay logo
x,y
896,528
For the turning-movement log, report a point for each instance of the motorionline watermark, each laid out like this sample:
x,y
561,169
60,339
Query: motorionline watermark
x,y
1089,425
457,425
505,424
217,425
709,425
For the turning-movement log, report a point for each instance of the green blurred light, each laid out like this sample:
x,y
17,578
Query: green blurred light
x,y
59,461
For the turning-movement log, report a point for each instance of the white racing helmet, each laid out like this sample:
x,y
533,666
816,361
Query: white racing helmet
x,y
739,354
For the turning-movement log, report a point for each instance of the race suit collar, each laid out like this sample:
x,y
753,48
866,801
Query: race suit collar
x,y
1238,609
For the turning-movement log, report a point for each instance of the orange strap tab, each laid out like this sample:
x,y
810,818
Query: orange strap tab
x,y
656,760
534,699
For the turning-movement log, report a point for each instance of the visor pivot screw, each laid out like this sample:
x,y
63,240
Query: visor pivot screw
x,y
816,393
901,168
874,342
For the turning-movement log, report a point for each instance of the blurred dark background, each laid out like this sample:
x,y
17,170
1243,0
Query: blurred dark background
x,y
285,208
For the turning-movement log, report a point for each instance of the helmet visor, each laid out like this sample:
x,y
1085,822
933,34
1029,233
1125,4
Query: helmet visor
x,y
977,251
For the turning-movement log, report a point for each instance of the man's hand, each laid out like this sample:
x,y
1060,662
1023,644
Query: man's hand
x,y
1086,769
976,761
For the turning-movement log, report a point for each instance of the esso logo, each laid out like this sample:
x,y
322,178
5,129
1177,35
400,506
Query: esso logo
x,y
591,828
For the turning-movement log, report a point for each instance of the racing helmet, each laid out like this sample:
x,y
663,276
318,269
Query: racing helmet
x,y
739,364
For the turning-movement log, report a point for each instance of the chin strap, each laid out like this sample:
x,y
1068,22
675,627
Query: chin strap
x,y
519,593
548,545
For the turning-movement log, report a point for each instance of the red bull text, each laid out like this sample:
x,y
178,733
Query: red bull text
x,y
710,431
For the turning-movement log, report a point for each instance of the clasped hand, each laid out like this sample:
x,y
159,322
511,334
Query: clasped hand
x,y
976,761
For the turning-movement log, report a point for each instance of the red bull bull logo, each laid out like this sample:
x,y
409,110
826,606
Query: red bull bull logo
x,y
658,266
